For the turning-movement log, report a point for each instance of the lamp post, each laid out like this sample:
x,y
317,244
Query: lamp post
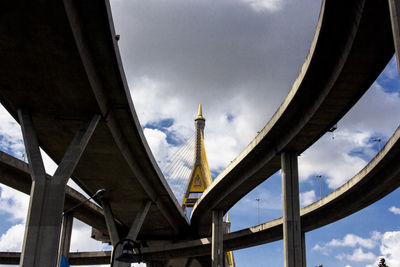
x,y
258,209
379,140
320,185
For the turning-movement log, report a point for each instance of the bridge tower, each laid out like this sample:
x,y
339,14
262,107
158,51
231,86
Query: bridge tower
x,y
200,177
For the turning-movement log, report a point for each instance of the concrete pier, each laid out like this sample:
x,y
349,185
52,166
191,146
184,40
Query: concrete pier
x,y
42,231
66,231
217,252
292,236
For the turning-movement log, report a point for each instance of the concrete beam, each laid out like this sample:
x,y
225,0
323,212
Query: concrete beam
x,y
138,222
113,233
42,232
217,252
66,231
76,258
75,150
293,252
394,7
133,231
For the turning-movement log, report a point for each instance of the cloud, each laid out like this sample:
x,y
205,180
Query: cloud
x,y
358,255
12,239
13,203
395,210
10,134
158,143
390,248
351,146
308,197
264,5
178,54
81,238
349,240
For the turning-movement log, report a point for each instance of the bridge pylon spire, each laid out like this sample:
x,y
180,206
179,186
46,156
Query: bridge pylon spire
x,y
200,177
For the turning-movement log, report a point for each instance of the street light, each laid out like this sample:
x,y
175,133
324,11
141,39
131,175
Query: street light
x,y
320,185
258,208
379,140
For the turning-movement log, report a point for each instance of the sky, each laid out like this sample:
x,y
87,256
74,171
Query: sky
x,y
239,58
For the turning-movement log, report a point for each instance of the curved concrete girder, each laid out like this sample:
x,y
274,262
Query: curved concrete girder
x,y
60,60
352,45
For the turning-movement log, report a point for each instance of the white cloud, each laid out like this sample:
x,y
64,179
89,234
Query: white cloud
x,y
12,239
351,145
390,248
308,197
395,210
81,238
324,157
349,240
264,5
10,134
157,141
358,255
13,203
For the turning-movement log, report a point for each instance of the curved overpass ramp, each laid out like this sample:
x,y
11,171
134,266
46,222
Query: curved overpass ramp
x,y
60,60
352,45
376,180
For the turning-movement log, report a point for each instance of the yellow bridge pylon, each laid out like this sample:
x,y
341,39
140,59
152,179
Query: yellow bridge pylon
x,y
194,175
200,177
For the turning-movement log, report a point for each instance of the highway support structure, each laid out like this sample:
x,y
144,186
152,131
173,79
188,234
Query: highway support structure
x,y
394,7
217,239
293,238
65,240
42,231
133,231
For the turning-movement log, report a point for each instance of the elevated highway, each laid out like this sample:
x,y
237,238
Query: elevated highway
x,y
60,61
376,180
352,45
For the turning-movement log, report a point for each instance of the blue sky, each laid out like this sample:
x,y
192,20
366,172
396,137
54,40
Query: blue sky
x,y
239,59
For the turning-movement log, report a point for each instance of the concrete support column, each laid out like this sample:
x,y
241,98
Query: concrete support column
x,y
42,230
217,252
303,246
133,231
394,6
292,240
66,231
113,232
